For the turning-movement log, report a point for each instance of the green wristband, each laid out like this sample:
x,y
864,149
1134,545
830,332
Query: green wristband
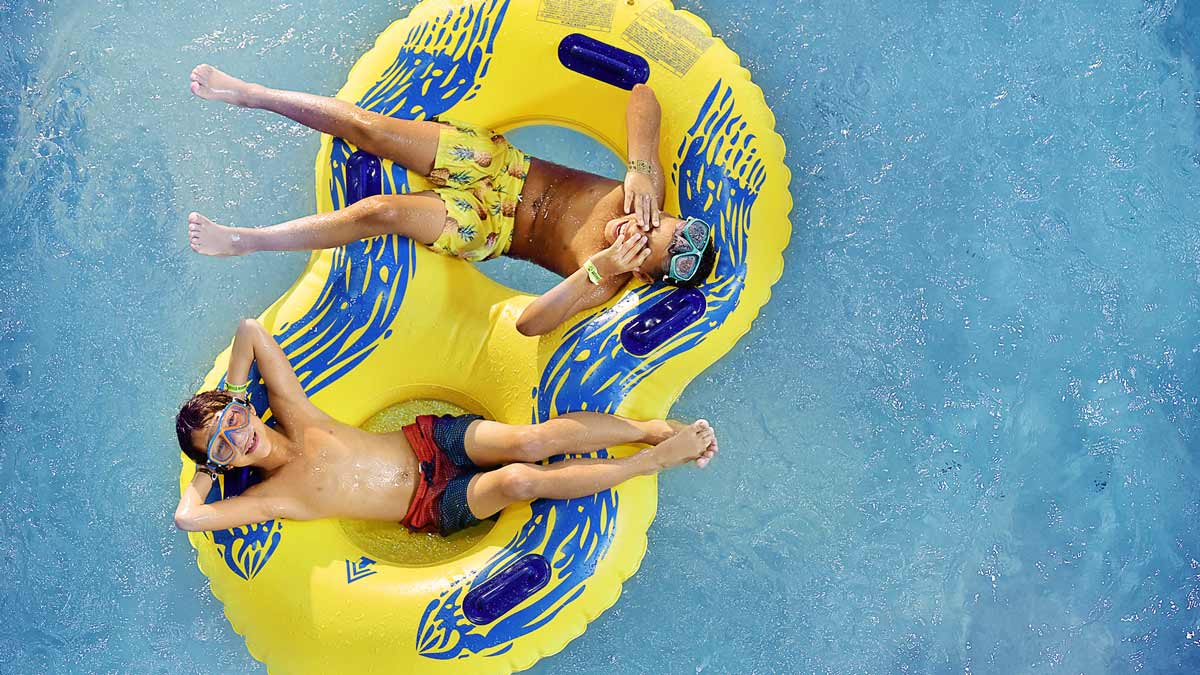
x,y
236,388
592,272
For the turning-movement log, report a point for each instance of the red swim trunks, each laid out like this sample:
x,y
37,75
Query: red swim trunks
x,y
439,502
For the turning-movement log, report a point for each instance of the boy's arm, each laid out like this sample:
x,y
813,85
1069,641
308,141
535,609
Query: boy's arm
x,y
572,295
193,515
578,292
644,181
253,344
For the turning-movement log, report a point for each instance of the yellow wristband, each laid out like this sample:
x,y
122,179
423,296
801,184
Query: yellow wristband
x,y
592,272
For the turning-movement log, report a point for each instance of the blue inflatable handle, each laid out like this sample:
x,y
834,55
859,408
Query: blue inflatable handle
x,y
663,321
602,61
364,176
495,597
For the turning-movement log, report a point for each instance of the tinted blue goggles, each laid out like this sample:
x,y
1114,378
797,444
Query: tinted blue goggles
x,y
686,255
232,425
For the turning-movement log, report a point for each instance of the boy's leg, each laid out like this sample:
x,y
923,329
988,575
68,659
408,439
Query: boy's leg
x,y
419,216
492,443
490,492
409,143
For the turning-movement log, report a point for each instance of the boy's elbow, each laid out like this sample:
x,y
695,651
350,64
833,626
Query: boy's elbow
x,y
529,329
645,96
185,522
190,518
527,325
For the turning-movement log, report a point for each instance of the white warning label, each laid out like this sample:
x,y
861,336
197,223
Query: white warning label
x,y
593,14
668,38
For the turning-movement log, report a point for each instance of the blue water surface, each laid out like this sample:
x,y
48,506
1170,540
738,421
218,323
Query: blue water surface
x,y
960,439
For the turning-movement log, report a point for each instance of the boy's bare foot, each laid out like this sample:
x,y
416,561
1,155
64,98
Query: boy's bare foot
x,y
689,444
209,238
710,437
214,85
658,431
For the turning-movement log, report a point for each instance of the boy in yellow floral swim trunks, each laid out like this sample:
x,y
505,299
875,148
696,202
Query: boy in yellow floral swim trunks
x,y
487,199
479,176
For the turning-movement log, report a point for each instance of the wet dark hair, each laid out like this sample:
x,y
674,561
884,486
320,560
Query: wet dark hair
x,y
708,260
195,414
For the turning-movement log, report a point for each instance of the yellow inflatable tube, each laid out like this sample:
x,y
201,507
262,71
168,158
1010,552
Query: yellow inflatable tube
x,y
381,329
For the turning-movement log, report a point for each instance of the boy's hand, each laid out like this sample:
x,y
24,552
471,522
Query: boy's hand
x,y
641,198
626,254
623,224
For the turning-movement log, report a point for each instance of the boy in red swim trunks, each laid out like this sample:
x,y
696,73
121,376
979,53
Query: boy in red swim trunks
x,y
439,474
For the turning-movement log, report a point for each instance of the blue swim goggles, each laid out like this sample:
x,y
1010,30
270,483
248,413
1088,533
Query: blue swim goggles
x,y
232,424
685,256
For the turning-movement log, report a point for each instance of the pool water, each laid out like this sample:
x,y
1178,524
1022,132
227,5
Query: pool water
x,y
961,438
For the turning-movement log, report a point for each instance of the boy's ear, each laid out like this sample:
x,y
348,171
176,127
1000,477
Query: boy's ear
x,y
642,276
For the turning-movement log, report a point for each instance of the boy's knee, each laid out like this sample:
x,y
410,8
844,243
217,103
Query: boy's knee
x,y
518,482
365,126
530,444
378,209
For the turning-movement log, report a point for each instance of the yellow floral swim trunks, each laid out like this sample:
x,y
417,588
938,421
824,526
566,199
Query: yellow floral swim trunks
x,y
479,175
